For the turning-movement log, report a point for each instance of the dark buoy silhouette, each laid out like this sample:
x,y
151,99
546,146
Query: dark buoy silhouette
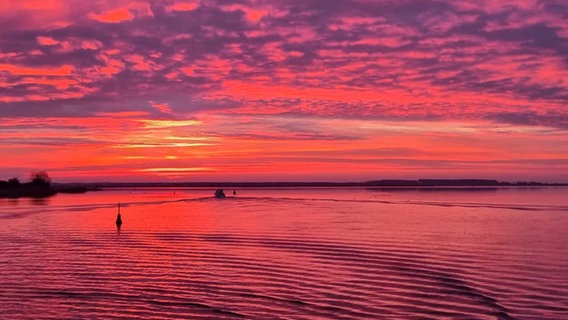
x,y
118,218
234,193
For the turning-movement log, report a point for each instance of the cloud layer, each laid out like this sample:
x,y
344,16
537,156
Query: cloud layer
x,y
344,88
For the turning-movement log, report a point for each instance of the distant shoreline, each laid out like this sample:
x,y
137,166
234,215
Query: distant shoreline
x,y
30,191
27,191
421,183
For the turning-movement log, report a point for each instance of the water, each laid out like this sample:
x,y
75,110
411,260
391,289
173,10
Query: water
x,y
324,253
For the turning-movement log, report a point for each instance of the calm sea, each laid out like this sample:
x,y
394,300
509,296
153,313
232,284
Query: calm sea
x,y
295,253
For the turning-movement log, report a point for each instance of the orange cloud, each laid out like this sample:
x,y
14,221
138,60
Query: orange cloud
x,y
46,41
162,107
64,70
183,6
168,123
59,84
254,15
113,16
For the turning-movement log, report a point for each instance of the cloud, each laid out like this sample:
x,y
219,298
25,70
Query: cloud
x,y
253,15
113,16
162,107
122,14
448,50
46,41
182,6
256,70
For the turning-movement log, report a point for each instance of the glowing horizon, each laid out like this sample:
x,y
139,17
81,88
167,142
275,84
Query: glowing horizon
x,y
284,90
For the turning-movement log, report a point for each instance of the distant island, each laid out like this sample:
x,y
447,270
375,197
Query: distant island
x,y
41,186
420,183
38,187
456,183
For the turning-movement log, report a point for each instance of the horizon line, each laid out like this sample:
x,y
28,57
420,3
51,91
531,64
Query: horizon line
x,y
378,182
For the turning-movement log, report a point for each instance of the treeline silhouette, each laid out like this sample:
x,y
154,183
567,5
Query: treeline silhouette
x,y
38,187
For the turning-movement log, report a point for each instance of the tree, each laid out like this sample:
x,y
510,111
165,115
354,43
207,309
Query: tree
x,y
14,182
41,178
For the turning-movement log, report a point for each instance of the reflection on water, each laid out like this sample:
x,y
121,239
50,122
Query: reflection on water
x,y
40,201
285,253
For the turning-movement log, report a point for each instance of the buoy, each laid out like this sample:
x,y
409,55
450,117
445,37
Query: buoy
x,y
118,218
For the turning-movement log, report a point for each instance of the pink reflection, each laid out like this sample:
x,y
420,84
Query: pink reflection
x,y
292,251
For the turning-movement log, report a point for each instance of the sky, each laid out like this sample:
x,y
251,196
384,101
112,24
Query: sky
x,y
274,90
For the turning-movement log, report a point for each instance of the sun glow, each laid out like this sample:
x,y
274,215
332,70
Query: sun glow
x,y
153,124
166,170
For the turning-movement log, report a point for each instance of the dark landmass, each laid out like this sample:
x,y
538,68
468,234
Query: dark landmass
x,y
74,187
457,183
421,183
30,191
14,189
38,187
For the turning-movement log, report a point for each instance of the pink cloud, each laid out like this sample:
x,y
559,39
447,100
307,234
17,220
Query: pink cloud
x,y
46,41
123,114
211,66
392,42
174,75
59,84
255,72
162,107
141,63
31,14
188,70
18,70
117,15
253,15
